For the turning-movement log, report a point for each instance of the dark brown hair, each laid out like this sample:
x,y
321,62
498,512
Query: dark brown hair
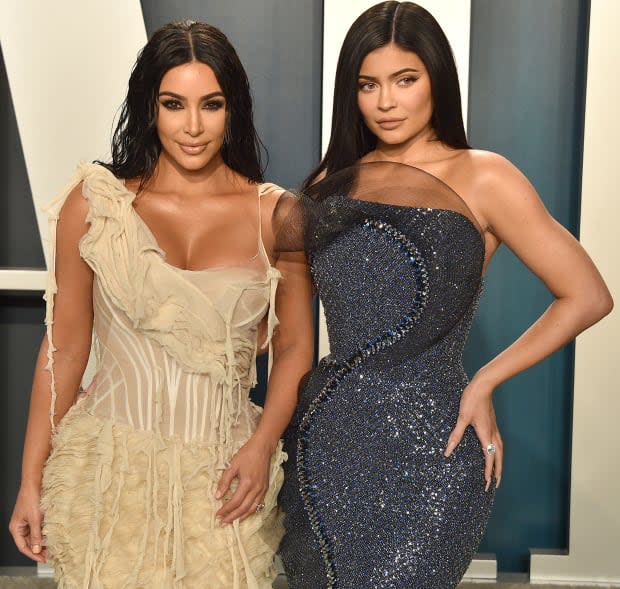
x,y
412,28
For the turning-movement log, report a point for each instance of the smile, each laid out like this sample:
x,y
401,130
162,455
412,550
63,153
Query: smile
x,y
193,149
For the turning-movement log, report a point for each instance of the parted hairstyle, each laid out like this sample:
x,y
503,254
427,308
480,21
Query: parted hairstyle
x,y
412,28
135,143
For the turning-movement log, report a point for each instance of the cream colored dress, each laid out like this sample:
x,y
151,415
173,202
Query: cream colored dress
x,y
129,488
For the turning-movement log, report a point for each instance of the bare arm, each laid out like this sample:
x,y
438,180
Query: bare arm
x,y
292,348
72,328
514,214
293,345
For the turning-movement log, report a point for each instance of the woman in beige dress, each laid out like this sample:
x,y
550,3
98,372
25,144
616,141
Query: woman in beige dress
x,y
165,474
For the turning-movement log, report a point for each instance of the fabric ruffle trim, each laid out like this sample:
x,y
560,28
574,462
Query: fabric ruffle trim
x,y
106,485
132,270
134,275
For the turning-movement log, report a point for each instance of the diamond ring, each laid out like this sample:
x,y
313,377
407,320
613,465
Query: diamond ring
x,y
260,507
491,449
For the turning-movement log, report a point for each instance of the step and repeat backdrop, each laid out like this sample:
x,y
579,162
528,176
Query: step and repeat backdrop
x,y
538,86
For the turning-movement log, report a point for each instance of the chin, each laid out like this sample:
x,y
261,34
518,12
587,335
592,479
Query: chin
x,y
392,140
193,164
197,164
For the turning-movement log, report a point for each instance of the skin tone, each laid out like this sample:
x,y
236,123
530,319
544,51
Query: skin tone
x,y
202,214
395,100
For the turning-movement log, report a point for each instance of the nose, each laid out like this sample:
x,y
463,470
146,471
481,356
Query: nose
x,y
193,122
386,98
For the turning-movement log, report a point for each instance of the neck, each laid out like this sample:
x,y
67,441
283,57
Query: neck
x,y
420,148
170,177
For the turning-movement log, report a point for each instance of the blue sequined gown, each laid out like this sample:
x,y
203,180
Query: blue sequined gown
x,y
370,499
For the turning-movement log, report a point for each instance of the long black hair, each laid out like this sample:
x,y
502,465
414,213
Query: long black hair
x,y
412,28
135,144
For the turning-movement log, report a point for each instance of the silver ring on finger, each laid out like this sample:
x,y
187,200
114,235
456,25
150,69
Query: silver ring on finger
x,y
491,449
259,507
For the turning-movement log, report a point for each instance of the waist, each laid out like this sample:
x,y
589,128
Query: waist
x,y
191,406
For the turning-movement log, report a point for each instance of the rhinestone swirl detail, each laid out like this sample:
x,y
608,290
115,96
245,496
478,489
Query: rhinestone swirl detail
x,y
345,368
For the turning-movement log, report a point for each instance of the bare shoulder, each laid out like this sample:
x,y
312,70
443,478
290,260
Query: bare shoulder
x,y
270,195
75,208
495,184
494,174
503,194
274,202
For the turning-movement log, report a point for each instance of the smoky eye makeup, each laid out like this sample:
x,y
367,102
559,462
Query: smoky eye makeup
x,y
170,103
214,104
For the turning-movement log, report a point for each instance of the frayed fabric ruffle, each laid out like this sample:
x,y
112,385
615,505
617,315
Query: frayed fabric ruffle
x,y
125,509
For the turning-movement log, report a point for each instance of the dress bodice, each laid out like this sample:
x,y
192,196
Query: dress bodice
x,y
416,269
175,348
402,243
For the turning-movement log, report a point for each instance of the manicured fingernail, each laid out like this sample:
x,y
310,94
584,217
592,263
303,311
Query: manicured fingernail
x,y
486,489
36,548
497,482
218,494
448,450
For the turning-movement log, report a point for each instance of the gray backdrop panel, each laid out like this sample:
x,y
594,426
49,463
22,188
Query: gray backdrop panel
x,y
21,314
527,102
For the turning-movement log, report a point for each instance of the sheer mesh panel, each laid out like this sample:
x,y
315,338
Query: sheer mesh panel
x,y
311,220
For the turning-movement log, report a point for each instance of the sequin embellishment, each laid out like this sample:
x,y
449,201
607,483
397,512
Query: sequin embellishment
x,y
345,368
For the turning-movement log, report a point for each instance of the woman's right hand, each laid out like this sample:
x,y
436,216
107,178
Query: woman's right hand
x,y
476,410
25,524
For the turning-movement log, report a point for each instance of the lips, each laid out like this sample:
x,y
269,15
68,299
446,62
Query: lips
x,y
389,124
193,149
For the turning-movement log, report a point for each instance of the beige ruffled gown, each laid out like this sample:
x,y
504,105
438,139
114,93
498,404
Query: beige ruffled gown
x,y
129,488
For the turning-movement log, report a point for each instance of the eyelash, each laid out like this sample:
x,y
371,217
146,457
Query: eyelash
x,y
214,105
176,105
367,86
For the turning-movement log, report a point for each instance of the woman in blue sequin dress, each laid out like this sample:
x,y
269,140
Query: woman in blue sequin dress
x,y
394,456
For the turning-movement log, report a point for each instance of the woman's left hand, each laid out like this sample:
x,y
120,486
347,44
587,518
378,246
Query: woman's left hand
x,y
477,410
250,465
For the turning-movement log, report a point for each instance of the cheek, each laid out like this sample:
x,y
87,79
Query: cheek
x,y
165,124
364,103
214,123
418,101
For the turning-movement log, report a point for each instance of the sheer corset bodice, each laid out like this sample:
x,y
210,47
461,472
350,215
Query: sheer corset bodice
x,y
140,384
175,348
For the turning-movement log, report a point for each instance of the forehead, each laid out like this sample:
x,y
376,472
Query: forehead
x,y
390,58
188,78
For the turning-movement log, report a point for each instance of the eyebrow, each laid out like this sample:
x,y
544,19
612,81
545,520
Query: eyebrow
x,y
394,75
180,97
